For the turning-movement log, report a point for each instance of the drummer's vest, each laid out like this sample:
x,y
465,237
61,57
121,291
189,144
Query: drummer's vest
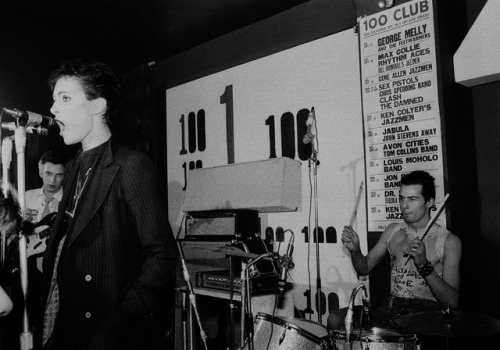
x,y
406,282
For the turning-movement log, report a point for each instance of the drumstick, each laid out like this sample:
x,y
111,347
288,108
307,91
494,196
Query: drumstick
x,y
432,220
353,215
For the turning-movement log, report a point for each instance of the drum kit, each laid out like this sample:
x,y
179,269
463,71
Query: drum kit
x,y
273,333
270,332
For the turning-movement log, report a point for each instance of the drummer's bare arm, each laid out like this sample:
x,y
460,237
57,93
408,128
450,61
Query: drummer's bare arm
x,y
364,264
445,289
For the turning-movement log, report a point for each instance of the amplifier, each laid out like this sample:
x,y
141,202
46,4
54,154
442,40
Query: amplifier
x,y
265,283
220,225
271,185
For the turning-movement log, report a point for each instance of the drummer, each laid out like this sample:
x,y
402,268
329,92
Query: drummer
x,y
429,280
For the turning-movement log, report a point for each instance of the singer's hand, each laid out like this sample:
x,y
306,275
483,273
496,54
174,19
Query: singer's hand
x,y
416,249
350,239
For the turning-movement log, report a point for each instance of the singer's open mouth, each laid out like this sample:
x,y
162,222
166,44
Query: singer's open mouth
x,y
60,124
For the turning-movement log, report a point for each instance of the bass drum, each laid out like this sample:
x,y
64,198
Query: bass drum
x,y
374,339
272,333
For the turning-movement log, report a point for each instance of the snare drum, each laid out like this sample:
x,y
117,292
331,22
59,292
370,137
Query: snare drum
x,y
374,339
288,333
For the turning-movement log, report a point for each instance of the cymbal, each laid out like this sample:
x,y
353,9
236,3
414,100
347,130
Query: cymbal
x,y
233,251
453,325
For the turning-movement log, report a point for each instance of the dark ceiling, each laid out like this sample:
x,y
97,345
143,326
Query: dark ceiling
x,y
122,32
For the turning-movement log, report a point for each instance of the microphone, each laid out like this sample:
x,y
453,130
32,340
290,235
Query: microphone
x,y
37,130
308,137
287,263
31,118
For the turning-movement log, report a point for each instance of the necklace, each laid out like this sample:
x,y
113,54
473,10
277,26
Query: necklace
x,y
78,193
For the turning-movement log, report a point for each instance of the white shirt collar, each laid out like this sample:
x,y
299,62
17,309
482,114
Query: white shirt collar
x,y
57,196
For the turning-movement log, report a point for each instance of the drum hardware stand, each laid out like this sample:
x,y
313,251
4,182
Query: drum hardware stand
x,y
192,296
246,302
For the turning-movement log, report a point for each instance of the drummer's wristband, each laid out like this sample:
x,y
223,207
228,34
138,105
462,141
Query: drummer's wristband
x,y
426,269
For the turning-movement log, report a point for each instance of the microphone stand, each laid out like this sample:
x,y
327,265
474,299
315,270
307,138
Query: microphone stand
x,y
26,337
187,278
20,129
348,322
314,162
311,137
6,159
184,290
192,296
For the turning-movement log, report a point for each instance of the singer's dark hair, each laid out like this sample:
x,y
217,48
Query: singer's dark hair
x,y
10,213
53,157
97,78
420,177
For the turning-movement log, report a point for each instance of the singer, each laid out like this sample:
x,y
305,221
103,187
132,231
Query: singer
x,y
430,281
111,256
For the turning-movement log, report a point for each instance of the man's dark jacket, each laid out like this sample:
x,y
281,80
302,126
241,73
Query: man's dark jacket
x,y
118,258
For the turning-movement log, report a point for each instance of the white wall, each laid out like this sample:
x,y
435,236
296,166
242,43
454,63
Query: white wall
x,y
323,74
